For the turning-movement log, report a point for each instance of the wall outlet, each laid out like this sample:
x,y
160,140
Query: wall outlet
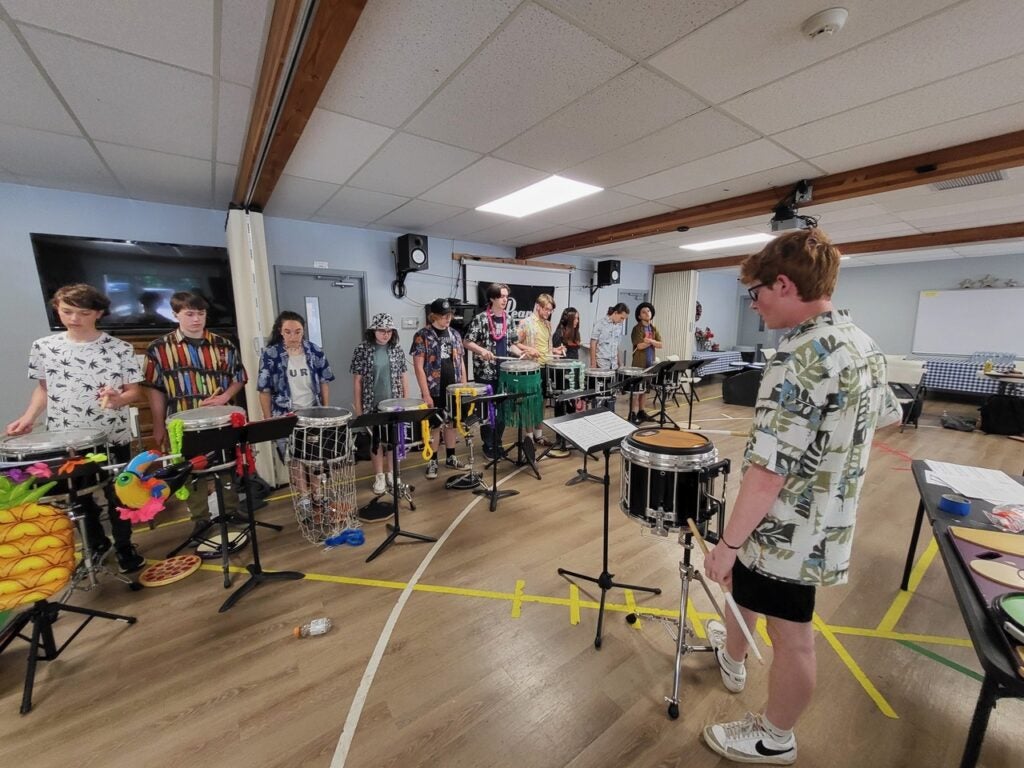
x,y
410,323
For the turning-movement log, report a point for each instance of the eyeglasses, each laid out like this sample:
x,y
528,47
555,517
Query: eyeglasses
x,y
753,290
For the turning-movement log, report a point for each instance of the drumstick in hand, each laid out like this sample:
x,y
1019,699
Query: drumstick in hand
x,y
728,596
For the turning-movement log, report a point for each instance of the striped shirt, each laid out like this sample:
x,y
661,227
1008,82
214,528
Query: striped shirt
x,y
188,371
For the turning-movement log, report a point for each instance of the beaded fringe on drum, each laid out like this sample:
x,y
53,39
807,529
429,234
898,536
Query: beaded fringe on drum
x,y
321,469
530,410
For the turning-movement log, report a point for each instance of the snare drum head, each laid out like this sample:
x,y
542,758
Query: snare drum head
x,y
207,416
56,442
401,404
472,386
563,364
627,372
322,416
600,373
520,366
675,442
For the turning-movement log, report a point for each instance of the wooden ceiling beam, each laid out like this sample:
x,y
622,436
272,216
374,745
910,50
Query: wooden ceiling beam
x,y
992,154
325,38
880,245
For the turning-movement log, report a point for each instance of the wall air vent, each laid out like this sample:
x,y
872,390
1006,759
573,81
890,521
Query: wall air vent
x,y
969,181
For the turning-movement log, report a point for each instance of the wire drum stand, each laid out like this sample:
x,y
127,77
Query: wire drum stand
x,y
668,476
321,470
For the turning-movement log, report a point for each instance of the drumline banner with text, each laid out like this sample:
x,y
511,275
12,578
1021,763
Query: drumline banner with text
x,y
521,298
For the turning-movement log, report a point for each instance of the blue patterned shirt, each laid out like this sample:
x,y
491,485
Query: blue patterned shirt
x,y
273,376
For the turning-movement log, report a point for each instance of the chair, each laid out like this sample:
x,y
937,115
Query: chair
x,y
905,377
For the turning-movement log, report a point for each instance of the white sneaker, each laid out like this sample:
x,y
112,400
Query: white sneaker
x,y
732,678
379,485
748,741
452,462
432,469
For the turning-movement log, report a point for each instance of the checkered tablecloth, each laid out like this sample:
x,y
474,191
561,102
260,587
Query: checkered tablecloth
x,y
717,362
955,374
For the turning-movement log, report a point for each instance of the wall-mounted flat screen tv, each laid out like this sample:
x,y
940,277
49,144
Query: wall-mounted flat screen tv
x,y
138,277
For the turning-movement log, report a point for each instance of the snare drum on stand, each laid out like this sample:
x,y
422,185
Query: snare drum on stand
x,y
408,436
208,422
321,469
522,377
459,414
634,387
562,376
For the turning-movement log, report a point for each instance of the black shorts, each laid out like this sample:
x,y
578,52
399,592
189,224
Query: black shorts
x,y
772,597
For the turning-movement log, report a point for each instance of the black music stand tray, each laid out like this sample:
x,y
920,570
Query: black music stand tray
x,y
661,373
526,454
252,433
583,474
394,418
492,492
612,436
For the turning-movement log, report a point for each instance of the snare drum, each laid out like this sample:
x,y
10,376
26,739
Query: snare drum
x,y
562,376
406,431
668,476
600,379
66,444
455,394
321,434
209,426
639,385
521,377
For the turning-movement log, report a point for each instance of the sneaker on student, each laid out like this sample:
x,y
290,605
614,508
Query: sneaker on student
x,y
452,462
376,512
99,551
432,469
749,741
732,678
128,559
379,486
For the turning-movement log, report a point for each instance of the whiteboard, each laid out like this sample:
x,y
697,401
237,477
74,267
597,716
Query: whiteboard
x,y
970,320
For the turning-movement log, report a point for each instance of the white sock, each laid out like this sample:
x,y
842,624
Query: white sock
x,y
379,476
538,434
730,662
779,734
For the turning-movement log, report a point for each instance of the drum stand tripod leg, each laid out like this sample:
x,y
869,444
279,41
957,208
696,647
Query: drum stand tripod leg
x,y
493,493
662,416
394,531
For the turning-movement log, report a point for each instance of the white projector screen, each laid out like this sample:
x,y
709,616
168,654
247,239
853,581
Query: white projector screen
x,y
964,321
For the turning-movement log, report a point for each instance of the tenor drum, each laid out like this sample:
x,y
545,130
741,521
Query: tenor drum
x,y
638,385
668,476
321,434
600,379
456,394
210,426
66,444
562,376
521,377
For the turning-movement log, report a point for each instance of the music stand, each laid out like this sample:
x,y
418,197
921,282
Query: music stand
x,y
492,492
599,429
688,368
252,433
661,372
526,455
393,419
583,474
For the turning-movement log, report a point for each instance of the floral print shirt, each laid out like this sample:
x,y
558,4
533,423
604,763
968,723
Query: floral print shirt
x,y
273,376
607,335
820,399
427,344
479,332
362,365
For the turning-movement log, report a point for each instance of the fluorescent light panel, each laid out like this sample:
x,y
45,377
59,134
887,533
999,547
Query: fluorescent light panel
x,y
728,242
552,191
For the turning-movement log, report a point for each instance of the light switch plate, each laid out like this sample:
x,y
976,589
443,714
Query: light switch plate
x,y
409,322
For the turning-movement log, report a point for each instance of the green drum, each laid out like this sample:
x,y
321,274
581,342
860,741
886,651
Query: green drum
x,y
521,377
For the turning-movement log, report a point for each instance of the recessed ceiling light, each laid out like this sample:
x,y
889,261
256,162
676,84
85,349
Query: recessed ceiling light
x,y
554,190
728,242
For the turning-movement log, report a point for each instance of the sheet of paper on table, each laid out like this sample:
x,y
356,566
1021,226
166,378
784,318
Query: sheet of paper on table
x,y
978,482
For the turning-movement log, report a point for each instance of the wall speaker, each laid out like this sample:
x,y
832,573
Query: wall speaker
x,y
411,254
608,272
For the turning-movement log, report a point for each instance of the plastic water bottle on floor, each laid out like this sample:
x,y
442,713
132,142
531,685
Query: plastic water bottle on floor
x,y
313,628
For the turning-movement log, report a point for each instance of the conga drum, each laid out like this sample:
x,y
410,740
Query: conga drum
x,y
668,476
521,377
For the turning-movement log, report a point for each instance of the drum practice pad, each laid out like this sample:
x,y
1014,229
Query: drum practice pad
x,y
169,571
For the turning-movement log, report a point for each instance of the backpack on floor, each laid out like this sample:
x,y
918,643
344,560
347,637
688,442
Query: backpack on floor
x,y
1003,415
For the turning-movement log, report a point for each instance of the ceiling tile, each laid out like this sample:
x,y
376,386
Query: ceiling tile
x,y
484,105
179,32
243,28
408,165
549,233
416,214
232,120
224,185
997,248
980,90
755,156
641,33
484,181
598,204
622,110
705,133
764,42
907,58
358,206
159,177
468,222
127,100
632,213
782,176
296,198
850,233
333,147
25,97
909,257
401,52
54,160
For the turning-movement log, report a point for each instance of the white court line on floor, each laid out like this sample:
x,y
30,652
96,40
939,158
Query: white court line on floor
x,y
359,701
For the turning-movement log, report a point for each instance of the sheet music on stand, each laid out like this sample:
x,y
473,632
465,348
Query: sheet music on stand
x,y
591,429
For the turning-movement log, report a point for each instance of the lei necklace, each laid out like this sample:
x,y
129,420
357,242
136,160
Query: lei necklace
x,y
491,328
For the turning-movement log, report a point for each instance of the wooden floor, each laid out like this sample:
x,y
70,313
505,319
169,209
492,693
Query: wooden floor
x,y
489,660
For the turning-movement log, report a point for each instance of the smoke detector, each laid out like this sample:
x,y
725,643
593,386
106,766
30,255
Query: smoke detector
x,y
826,22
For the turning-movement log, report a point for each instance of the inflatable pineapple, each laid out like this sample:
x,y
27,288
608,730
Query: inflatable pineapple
x,y
37,545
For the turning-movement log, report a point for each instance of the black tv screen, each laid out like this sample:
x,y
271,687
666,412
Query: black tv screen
x,y
138,278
